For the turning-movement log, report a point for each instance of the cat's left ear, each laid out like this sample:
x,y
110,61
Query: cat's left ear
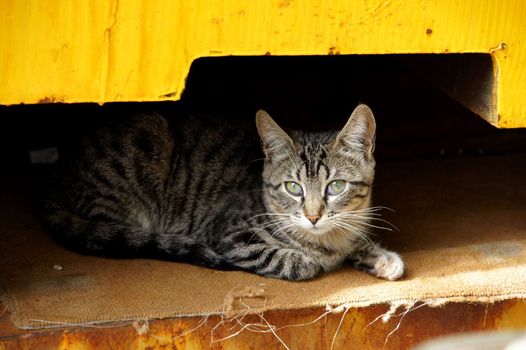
x,y
358,134
275,142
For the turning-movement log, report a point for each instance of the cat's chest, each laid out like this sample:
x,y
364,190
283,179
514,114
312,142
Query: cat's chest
x,y
330,252
330,262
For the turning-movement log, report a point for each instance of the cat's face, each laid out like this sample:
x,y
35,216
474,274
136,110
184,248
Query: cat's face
x,y
319,183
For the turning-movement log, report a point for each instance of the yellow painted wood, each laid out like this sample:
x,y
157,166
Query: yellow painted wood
x,y
133,50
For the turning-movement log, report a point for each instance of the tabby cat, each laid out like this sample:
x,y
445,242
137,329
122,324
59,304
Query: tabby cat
x,y
191,189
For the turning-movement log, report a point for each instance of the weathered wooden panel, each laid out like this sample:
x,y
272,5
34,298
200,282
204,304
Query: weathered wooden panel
x,y
78,51
359,328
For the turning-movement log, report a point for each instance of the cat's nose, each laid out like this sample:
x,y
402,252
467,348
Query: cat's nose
x,y
313,218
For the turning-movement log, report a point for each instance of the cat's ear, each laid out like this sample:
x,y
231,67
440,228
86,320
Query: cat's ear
x,y
275,142
357,136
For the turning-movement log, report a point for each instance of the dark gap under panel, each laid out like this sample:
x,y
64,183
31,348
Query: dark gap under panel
x,y
415,118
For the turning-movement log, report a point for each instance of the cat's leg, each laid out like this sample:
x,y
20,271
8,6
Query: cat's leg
x,y
273,261
378,262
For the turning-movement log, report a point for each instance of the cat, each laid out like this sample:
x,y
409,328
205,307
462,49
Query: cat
x,y
189,188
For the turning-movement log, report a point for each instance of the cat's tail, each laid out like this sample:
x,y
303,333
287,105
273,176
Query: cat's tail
x,y
115,240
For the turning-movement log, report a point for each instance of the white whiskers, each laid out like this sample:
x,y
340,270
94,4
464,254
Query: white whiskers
x,y
358,221
343,226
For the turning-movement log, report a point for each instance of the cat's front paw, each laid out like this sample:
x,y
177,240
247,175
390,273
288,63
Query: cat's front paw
x,y
388,265
379,262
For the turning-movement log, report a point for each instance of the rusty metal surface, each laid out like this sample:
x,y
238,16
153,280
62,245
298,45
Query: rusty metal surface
x,y
359,328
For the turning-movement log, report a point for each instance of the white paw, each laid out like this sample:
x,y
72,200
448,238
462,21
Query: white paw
x,y
388,265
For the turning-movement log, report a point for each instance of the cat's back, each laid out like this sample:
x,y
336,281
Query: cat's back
x,y
159,171
219,165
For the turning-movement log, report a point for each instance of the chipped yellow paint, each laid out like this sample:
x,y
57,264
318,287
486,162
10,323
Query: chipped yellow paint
x,y
179,335
513,317
74,342
102,51
156,341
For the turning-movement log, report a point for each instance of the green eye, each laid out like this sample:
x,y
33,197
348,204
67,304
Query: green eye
x,y
336,187
293,188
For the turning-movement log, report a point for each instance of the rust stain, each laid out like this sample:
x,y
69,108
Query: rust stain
x,y
169,95
333,51
298,329
284,3
217,21
50,99
429,31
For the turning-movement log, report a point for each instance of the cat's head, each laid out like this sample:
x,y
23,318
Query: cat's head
x,y
316,184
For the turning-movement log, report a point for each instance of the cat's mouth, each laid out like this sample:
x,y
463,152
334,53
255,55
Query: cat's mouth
x,y
320,228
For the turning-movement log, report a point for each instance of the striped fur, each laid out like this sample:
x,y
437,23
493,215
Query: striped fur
x,y
191,189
